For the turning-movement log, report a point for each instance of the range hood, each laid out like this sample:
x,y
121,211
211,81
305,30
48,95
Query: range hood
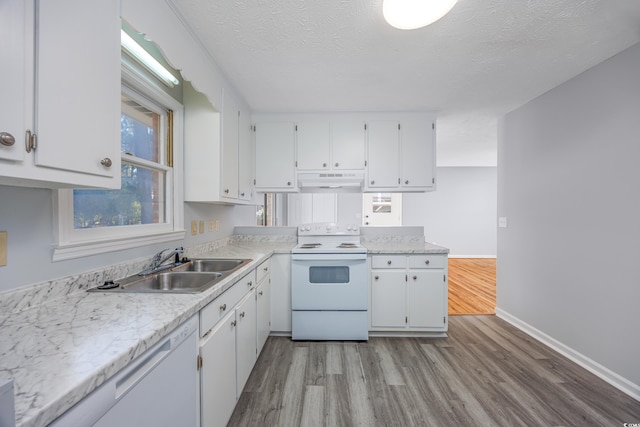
x,y
331,182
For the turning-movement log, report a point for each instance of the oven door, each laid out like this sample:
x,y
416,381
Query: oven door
x,y
329,282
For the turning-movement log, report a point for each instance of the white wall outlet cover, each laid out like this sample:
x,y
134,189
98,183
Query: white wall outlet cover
x,y
502,222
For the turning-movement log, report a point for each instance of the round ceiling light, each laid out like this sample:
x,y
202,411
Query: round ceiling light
x,y
412,14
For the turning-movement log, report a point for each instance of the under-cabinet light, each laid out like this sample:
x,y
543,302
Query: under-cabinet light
x,y
412,14
149,62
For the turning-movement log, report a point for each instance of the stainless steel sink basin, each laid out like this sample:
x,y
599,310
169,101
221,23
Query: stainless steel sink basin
x,y
221,265
194,276
173,281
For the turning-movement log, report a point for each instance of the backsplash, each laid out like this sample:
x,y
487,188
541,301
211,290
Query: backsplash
x,y
395,234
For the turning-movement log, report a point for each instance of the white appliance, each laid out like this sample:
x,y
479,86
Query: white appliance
x,y
156,389
329,288
331,182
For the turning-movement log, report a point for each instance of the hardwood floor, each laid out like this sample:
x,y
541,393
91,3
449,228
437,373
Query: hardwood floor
x,y
472,286
487,373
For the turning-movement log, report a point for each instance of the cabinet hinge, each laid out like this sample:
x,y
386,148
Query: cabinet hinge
x,y
398,126
444,319
406,277
296,163
199,362
444,278
433,180
406,319
296,128
254,181
433,126
365,163
253,128
398,180
31,141
365,126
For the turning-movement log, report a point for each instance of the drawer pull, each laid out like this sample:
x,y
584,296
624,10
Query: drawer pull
x,y
427,262
249,283
223,307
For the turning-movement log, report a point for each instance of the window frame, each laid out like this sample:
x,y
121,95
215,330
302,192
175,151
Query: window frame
x,y
72,243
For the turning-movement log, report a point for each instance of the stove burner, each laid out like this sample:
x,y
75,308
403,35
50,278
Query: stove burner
x,y
347,245
310,245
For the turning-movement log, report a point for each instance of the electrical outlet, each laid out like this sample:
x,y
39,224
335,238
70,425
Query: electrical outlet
x,y
194,227
502,222
3,248
217,225
211,226
201,226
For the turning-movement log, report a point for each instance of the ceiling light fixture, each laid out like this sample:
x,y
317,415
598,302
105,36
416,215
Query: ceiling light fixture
x,y
412,14
144,58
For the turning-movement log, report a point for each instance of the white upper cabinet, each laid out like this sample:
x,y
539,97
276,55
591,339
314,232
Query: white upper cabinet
x,y
218,150
74,110
401,154
330,145
275,156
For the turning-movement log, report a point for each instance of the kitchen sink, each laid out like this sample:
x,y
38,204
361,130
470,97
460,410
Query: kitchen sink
x,y
221,265
191,277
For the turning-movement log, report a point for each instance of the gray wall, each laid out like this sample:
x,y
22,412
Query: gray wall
x,y
27,216
568,176
461,214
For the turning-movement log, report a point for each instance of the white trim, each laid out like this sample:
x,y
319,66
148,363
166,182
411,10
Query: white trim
x,y
590,365
77,250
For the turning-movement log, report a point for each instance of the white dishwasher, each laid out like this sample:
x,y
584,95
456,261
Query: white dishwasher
x,y
156,389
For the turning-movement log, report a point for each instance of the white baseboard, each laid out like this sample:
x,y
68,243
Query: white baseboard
x,y
471,256
592,366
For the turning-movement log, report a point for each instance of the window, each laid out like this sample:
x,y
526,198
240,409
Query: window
x,y
148,207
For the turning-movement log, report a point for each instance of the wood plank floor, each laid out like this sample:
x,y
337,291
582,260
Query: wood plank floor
x,y
472,286
487,373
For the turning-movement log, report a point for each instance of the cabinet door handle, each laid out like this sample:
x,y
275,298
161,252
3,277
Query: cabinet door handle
x,y
7,139
223,307
242,314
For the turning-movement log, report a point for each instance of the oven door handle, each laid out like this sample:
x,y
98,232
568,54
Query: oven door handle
x,y
329,257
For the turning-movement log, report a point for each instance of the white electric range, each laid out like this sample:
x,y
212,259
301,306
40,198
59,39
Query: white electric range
x,y
329,286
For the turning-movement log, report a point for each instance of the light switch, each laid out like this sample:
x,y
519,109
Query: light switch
x,y
194,227
3,248
502,222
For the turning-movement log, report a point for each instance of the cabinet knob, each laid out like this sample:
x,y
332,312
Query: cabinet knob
x,y
7,139
260,293
389,262
106,162
372,182
242,314
223,307
427,262
266,269
226,191
324,165
337,164
242,194
288,182
406,181
233,323
249,283
376,277
415,277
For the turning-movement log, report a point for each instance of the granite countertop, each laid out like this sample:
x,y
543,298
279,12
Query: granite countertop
x,y
60,350
391,247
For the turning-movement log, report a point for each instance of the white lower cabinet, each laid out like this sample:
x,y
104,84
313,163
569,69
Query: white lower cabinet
x,y
218,373
229,344
409,293
245,340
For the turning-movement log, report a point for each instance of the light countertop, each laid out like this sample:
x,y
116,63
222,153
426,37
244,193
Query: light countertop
x,y
59,351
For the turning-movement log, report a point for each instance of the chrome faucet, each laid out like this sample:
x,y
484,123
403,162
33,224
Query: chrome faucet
x,y
158,260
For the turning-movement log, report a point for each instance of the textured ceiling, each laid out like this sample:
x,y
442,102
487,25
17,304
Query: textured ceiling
x,y
480,61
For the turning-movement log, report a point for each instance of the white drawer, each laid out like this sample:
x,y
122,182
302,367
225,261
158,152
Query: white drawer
x,y
388,261
427,261
263,270
219,307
